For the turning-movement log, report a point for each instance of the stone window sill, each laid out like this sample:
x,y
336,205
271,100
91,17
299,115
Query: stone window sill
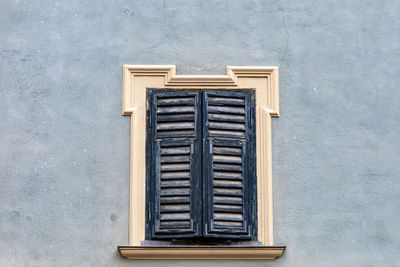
x,y
201,253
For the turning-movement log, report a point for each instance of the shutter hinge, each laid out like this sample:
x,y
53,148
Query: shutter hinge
x,y
150,125
150,211
150,119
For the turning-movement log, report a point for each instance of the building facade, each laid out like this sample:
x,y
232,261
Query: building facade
x,y
64,145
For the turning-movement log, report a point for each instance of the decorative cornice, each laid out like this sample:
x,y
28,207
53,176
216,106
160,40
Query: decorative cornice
x,y
201,253
236,77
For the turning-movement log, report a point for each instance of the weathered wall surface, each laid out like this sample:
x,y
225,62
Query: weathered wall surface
x,y
64,144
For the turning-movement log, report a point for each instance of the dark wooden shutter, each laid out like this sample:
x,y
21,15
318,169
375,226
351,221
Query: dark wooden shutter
x,y
229,164
174,147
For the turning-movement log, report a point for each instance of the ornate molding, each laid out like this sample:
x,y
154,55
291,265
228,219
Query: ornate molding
x,y
136,78
201,253
267,79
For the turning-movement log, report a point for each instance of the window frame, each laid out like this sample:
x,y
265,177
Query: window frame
x,y
136,78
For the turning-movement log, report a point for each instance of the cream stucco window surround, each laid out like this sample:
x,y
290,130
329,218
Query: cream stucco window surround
x,y
265,81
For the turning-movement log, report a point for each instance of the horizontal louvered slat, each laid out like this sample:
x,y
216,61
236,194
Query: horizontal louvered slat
x,y
175,158
178,225
176,117
176,101
175,150
175,133
227,224
228,200
228,175
175,175
224,110
227,150
174,126
174,184
227,126
175,166
226,117
227,192
175,216
220,100
227,167
176,211
228,208
174,192
174,200
220,158
175,208
228,184
225,216
177,109
224,133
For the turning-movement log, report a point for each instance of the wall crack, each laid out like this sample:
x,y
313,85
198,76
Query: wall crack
x,y
284,55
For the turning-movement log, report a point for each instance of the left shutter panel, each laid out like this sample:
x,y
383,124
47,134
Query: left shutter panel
x,y
175,163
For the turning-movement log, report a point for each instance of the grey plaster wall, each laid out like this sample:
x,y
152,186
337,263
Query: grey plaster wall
x,y
64,144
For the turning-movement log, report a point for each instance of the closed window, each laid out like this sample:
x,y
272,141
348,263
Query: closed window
x,y
201,165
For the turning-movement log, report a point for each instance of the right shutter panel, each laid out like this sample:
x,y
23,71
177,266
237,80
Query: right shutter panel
x,y
229,164
175,154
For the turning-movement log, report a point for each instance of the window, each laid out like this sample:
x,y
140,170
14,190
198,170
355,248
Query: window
x,y
201,164
136,81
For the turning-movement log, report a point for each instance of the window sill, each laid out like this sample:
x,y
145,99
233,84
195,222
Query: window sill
x,y
201,253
